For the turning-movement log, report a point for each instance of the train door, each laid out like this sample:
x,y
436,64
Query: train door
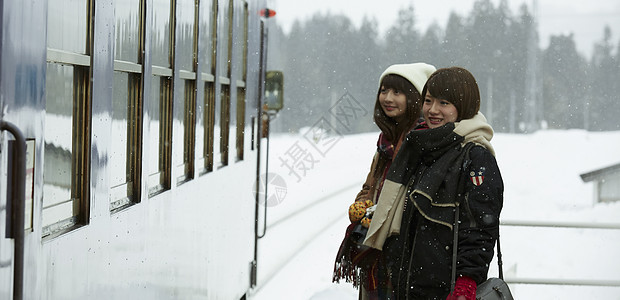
x,y
12,193
8,244
22,89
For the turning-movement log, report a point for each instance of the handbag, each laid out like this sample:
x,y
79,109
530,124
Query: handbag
x,y
493,288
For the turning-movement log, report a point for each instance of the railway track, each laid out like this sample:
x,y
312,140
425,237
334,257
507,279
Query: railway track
x,y
288,235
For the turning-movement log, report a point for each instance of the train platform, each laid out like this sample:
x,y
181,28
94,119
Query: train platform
x,y
553,260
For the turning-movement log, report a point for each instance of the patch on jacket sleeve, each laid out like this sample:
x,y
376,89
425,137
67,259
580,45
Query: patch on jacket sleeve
x,y
477,178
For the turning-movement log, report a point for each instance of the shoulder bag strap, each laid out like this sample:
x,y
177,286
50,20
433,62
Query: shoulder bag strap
x,y
455,229
499,258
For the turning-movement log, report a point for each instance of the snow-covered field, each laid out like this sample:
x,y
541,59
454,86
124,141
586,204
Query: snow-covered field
x,y
542,183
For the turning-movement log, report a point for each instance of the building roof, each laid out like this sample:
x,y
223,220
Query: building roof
x,y
596,174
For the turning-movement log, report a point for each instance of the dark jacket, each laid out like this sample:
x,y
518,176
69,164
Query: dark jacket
x,y
435,170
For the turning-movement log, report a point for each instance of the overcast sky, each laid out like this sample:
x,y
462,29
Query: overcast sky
x,y
584,18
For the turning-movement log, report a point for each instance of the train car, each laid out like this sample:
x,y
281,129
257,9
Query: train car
x,y
139,120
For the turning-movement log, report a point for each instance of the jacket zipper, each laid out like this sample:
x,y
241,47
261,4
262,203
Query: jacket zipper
x,y
415,237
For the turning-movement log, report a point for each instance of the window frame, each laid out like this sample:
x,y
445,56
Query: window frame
x,y
129,193
241,87
209,102
160,180
81,133
185,171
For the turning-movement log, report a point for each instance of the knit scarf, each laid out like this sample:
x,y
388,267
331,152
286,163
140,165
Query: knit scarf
x,y
352,256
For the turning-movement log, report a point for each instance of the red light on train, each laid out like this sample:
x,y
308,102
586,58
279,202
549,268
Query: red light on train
x,y
267,13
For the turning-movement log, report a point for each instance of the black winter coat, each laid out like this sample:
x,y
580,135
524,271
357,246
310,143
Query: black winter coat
x,y
420,258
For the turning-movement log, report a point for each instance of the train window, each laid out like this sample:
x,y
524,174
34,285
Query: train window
x,y
67,147
224,37
224,61
126,148
160,103
209,124
224,123
206,121
128,15
67,117
186,42
241,58
240,119
160,112
185,131
185,107
162,34
67,23
208,33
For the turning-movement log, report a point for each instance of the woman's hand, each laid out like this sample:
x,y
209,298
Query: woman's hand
x,y
464,289
452,297
357,210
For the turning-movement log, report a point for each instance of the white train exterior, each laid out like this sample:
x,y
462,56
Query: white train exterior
x,y
139,117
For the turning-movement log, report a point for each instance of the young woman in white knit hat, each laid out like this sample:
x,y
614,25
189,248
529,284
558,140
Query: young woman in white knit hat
x,y
397,111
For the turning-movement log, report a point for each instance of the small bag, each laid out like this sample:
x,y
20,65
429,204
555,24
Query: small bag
x,y
358,234
493,289
362,256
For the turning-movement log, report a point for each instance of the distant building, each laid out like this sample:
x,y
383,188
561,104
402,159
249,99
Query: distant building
x,y
606,183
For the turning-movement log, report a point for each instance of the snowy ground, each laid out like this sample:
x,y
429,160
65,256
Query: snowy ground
x,y
541,175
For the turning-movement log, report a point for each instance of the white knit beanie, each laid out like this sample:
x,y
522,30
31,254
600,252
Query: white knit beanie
x,y
416,73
